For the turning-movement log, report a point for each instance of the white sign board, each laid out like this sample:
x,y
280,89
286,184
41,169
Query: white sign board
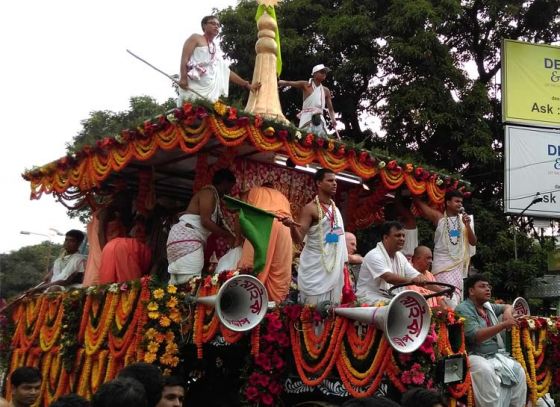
x,y
532,166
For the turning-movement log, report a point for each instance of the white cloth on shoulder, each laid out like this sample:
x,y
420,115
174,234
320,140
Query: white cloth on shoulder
x,y
321,264
371,287
67,265
229,260
410,241
208,76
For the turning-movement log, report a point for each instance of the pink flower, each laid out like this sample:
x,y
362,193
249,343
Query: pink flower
x,y
406,377
275,388
264,380
267,399
252,393
283,340
404,357
254,379
263,361
275,324
277,362
418,377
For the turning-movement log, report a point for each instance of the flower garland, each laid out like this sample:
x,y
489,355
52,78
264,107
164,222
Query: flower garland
x,y
100,312
72,305
159,342
267,372
538,384
51,328
191,127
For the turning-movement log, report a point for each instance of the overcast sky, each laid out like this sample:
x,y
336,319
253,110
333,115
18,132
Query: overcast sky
x,y
62,60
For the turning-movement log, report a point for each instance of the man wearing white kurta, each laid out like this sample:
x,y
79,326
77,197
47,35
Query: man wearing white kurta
x,y
204,73
454,243
385,266
321,263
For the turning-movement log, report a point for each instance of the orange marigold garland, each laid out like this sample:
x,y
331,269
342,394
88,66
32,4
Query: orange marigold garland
x,y
52,325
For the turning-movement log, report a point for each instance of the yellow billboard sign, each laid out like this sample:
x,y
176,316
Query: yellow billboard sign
x,y
530,83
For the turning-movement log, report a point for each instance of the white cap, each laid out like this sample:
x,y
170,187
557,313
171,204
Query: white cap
x,y
318,68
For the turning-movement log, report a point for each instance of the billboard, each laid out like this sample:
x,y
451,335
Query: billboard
x,y
530,83
532,166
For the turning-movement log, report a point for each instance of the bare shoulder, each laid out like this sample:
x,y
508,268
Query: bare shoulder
x,y
196,40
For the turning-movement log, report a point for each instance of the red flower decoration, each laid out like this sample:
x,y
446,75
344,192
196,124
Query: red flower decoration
x,y
392,165
242,121
267,399
252,393
258,121
363,157
341,150
283,134
232,114
187,108
309,140
352,153
201,112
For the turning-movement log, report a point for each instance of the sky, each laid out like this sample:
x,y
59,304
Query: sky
x,y
62,60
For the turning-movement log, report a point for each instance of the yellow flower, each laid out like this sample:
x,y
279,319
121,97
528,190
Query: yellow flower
x,y
153,347
164,321
173,301
158,293
171,348
220,108
153,315
152,306
174,361
169,336
150,357
171,289
150,333
175,316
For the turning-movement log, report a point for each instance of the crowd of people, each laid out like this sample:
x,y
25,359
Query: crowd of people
x,y
143,385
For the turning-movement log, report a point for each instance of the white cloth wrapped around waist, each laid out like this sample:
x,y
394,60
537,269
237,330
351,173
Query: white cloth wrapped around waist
x,y
185,237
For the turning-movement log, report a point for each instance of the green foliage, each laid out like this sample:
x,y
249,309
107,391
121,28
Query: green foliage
x,y
26,267
105,123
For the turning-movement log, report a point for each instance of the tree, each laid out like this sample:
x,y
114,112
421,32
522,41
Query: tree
x,y
105,123
427,70
26,267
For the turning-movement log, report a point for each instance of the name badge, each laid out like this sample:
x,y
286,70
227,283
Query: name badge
x,y
454,233
331,238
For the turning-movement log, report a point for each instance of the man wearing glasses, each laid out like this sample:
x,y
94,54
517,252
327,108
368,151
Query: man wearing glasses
x,y
498,379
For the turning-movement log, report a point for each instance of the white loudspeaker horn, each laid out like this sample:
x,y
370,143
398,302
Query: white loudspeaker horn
x,y
241,302
405,321
521,307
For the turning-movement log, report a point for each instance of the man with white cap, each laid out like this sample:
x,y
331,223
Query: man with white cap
x,y
316,98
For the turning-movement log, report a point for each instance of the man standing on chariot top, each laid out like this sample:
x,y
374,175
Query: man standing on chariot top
x,y
204,73
316,98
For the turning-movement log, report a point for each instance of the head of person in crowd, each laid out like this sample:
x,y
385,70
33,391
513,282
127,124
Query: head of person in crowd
x,y
375,401
422,259
173,392
478,289
419,397
392,236
453,202
120,392
224,181
70,400
73,240
325,179
149,376
26,386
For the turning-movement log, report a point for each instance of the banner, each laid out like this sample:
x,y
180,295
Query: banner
x,y
532,171
530,83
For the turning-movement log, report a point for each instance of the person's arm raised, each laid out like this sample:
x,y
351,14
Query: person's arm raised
x,y
253,87
294,84
430,213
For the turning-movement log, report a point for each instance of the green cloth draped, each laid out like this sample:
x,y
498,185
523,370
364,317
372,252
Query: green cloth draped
x,y
256,225
272,13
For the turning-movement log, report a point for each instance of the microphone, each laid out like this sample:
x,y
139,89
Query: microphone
x,y
461,210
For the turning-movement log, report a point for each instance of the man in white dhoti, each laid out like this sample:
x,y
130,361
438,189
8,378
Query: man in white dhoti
x,y
204,73
498,380
386,266
454,242
315,98
321,263
185,244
